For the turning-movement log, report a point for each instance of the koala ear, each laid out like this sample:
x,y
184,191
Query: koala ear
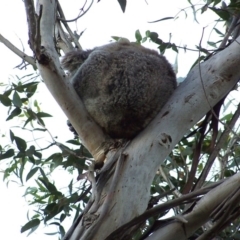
x,y
74,59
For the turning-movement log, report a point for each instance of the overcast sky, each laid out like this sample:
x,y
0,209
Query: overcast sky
x,y
105,19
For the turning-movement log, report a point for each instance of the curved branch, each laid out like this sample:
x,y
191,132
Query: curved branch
x,y
201,212
75,19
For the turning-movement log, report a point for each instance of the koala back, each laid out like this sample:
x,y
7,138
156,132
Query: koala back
x,y
123,86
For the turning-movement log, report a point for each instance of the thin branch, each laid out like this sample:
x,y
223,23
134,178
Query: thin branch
x,y
225,212
163,207
80,15
49,67
230,30
72,35
18,52
218,146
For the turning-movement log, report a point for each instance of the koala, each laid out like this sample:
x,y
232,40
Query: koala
x,y
123,85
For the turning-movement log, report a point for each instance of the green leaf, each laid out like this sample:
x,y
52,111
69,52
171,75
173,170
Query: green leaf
x,y
31,173
162,19
7,93
40,122
17,100
222,13
62,231
163,47
62,217
147,33
123,4
37,154
21,144
41,187
153,36
55,157
43,114
204,8
77,213
11,135
9,153
27,121
138,36
51,188
31,89
74,142
218,32
31,224
43,174
70,187
174,48
31,150
57,160
144,39
5,100
53,209
22,168
36,105
212,44
15,112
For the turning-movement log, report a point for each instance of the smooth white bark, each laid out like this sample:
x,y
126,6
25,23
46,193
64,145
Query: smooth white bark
x,y
56,81
200,214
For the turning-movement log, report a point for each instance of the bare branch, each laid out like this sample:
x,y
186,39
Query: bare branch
x,y
18,52
48,64
200,213
187,198
80,15
218,146
72,35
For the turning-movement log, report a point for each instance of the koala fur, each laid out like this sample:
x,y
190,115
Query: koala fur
x,y
123,85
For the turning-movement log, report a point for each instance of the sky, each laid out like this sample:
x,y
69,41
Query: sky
x,y
105,19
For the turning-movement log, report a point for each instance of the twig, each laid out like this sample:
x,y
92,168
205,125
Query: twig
x,y
162,207
80,15
230,30
218,146
75,40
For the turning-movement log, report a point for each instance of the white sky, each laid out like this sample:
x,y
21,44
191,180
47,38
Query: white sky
x,y
104,20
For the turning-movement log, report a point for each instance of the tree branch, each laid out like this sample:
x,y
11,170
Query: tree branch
x,y
200,213
18,52
48,64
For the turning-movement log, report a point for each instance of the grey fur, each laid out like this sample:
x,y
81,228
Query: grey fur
x,y
122,85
